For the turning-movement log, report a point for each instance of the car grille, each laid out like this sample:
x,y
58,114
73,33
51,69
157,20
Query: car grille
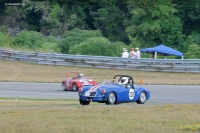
x,y
92,93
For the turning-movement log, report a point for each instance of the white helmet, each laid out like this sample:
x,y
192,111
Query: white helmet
x,y
80,75
124,80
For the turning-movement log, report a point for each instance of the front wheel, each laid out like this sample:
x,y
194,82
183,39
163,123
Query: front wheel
x,y
84,102
142,98
111,99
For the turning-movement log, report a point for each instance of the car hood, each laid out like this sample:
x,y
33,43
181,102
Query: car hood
x,y
104,86
85,81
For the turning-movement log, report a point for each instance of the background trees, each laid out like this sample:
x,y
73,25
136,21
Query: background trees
x,y
75,22
154,23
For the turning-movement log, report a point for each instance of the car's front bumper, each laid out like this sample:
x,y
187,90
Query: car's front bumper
x,y
93,99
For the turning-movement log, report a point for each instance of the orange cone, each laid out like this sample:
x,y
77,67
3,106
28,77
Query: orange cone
x,y
141,81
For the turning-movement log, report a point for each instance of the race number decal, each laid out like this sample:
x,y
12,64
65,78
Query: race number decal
x,y
131,94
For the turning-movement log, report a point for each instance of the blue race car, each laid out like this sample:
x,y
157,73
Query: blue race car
x,y
120,90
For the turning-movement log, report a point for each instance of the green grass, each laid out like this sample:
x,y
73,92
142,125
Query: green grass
x,y
37,99
194,127
68,116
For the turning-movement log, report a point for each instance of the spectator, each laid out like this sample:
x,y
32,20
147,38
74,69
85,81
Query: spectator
x,y
125,54
137,54
132,53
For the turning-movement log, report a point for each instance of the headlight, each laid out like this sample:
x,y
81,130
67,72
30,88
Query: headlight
x,y
80,80
90,80
87,93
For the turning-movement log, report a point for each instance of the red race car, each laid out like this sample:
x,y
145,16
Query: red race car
x,y
76,82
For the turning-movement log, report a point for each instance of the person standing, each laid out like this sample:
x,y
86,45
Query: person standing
x,y
125,53
132,53
137,54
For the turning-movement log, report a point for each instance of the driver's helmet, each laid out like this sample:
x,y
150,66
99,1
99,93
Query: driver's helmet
x,y
124,80
80,75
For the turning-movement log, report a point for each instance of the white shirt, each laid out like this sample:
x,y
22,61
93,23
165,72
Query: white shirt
x,y
132,54
125,54
137,54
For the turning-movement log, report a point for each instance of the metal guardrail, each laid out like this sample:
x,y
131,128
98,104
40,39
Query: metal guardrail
x,y
160,65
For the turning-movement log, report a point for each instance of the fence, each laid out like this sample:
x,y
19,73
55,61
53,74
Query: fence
x,y
161,65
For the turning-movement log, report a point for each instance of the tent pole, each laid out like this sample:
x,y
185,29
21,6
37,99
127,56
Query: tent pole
x,y
155,55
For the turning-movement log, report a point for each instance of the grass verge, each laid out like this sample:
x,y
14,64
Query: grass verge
x,y
26,72
67,116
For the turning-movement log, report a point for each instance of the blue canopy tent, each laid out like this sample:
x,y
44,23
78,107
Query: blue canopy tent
x,y
163,50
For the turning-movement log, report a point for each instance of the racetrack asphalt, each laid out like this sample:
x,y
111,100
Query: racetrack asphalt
x,y
160,94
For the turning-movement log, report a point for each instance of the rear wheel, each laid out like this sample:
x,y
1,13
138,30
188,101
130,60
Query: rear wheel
x,y
142,98
74,87
111,99
84,102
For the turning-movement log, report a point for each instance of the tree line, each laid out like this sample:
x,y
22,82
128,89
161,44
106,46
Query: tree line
x,y
101,27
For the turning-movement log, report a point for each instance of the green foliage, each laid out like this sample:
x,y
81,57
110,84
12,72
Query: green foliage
x,y
76,36
192,44
28,39
75,15
138,23
111,26
193,52
5,39
3,29
50,44
34,40
189,13
154,23
134,42
50,47
44,16
54,14
52,25
195,38
118,48
14,18
146,55
98,46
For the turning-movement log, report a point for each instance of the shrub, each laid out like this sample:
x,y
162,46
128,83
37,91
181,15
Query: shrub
x,y
49,47
28,39
193,51
5,39
32,40
98,46
70,38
